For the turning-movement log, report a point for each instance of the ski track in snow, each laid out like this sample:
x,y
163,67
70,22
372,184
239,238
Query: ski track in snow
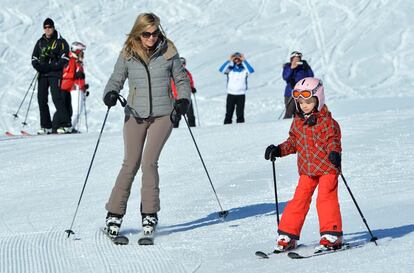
x,y
52,252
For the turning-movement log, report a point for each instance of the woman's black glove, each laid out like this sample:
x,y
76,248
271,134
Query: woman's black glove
x,y
110,98
181,106
272,152
335,159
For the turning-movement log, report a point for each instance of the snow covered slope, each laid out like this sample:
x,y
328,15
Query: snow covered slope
x,y
363,50
359,49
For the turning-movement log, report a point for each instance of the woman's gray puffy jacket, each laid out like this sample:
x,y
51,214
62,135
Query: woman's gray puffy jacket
x,y
150,84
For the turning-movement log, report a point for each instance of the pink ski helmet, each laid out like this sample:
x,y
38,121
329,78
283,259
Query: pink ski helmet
x,y
314,88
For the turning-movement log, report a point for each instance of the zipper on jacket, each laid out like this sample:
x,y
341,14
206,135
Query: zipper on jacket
x,y
149,88
149,85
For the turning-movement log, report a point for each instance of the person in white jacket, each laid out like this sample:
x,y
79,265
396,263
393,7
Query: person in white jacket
x,y
237,70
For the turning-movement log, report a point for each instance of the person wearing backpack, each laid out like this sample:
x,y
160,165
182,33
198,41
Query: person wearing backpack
x,y
50,55
294,71
73,82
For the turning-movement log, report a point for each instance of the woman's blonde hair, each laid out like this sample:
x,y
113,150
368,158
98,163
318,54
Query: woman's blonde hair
x,y
133,44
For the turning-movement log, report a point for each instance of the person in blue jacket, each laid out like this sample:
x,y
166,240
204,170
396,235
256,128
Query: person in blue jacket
x,y
237,70
293,72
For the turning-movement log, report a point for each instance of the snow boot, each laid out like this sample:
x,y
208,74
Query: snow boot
x,y
63,130
329,242
149,223
113,224
44,131
285,243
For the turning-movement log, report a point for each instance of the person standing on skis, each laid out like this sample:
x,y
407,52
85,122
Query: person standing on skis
x,y
237,70
293,72
190,114
316,137
149,61
73,81
50,55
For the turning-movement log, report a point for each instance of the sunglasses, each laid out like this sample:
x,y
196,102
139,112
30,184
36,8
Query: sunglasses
x,y
154,34
45,27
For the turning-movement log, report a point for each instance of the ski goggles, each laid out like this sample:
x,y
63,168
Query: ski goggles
x,y
306,94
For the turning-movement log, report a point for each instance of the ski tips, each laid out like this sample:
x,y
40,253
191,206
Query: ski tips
x,y
69,232
223,214
262,255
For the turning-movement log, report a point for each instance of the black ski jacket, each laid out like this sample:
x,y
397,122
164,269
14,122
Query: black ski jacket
x,y
50,55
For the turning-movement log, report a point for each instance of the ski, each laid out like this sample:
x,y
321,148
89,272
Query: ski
x,y
295,255
118,240
24,133
265,255
146,240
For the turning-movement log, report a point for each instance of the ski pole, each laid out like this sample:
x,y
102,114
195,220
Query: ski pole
x,y
373,239
123,103
86,114
70,231
198,115
30,103
25,95
222,213
274,183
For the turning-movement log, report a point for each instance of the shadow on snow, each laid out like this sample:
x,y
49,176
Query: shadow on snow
x,y
256,210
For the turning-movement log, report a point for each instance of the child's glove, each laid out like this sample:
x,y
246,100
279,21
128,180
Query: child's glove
x,y
335,159
272,152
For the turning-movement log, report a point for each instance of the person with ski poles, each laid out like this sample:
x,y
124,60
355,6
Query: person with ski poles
x,y
148,60
50,55
316,137
237,70
73,81
293,72
190,114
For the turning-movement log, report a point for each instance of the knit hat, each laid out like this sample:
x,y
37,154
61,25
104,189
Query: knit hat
x,y
49,22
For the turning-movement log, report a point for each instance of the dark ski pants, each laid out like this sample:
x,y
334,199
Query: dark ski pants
x,y
235,101
289,107
143,142
61,117
190,116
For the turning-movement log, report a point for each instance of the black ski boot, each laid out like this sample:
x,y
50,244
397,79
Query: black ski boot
x,y
113,224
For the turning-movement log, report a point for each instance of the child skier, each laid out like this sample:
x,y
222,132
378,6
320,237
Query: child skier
x,y
316,137
73,81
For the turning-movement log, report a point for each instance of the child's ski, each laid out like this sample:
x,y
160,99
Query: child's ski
x,y
264,255
295,255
